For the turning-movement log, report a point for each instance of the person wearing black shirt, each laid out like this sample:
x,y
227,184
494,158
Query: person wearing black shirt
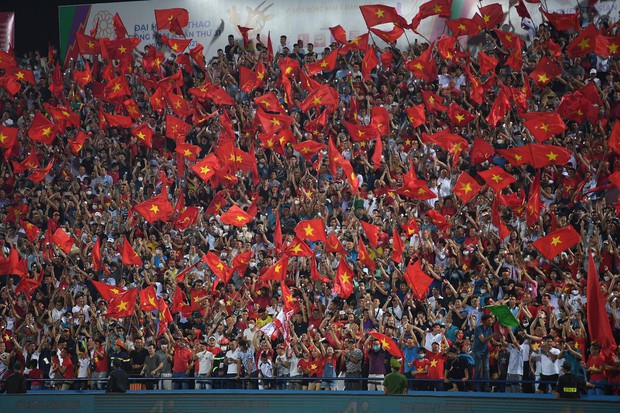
x,y
16,382
456,370
118,382
570,386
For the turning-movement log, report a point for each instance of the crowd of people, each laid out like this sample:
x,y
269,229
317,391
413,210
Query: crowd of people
x,y
242,329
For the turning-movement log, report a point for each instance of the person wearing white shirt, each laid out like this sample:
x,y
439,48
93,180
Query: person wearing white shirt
x,y
519,351
548,367
205,365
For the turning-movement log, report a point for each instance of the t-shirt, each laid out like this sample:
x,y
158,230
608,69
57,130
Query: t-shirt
x,y
181,358
570,386
436,366
596,362
395,383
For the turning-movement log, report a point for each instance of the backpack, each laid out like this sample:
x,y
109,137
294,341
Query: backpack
x,y
468,357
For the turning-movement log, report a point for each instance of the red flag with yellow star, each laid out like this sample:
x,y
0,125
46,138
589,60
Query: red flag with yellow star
x,y
165,317
372,233
333,244
148,298
177,45
123,304
411,227
545,71
298,248
376,14
466,187
424,67
144,134
235,216
543,125
584,43
387,344
31,231
364,257
63,240
269,102
87,45
179,302
206,167
216,204
562,21
42,129
343,285
164,17
8,136
459,116
614,138
289,301
128,255
439,8
462,27
328,63
417,280
218,267
188,151
398,247
106,291
607,46
434,103
155,209
497,178
277,272
491,15
557,242
311,229
416,115
325,95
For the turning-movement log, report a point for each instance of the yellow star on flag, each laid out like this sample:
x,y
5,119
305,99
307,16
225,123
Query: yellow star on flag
x,y
240,218
154,209
437,9
275,122
122,306
19,75
141,136
278,268
544,127
316,100
518,157
552,156
497,178
309,230
379,13
91,45
205,170
122,49
296,249
460,118
466,188
612,48
152,301
584,44
542,78
47,131
556,240
346,279
187,152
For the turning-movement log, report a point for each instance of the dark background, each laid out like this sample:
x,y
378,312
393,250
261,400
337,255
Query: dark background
x,y
36,22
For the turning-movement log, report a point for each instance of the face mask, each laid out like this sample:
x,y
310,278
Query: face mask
x,y
252,264
463,295
89,193
606,278
557,294
376,348
574,292
224,348
578,276
483,291
251,326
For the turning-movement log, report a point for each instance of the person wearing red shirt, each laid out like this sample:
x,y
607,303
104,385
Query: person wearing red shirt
x,y
420,373
100,358
66,369
436,367
181,359
596,369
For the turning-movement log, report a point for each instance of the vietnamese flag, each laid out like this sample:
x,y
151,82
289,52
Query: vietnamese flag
x,y
338,34
206,167
324,95
496,220
165,317
235,216
614,138
87,45
117,120
312,230
77,144
218,267
128,255
416,115
398,247
607,46
543,125
27,286
155,209
439,220
411,227
534,204
308,148
545,155
96,255
557,242
119,27
361,133
441,8
390,36
497,178
545,71
42,129
343,285
31,231
144,134
376,14
298,248
106,291
424,67
188,151
123,304
148,299
328,64
492,15
277,272
269,102
563,21
176,129
466,187
177,45
247,79
164,17
599,327
272,123
333,244
241,262
434,103
499,108
8,136
364,257
314,271
369,62
289,301
38,174
216,204
179,302
387,344
462,27
486,63
417,280
22,75
63,240
372,233
584,43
